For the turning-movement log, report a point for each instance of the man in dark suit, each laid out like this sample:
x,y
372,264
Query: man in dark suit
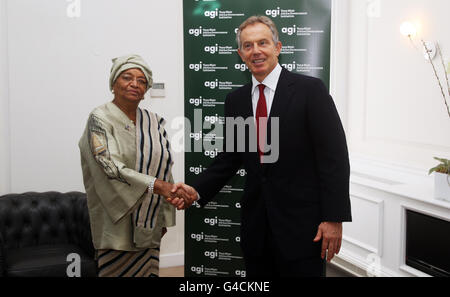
x,y
293,207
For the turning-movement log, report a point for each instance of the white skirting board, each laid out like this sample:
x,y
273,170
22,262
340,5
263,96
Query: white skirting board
x,y
359,266
171,260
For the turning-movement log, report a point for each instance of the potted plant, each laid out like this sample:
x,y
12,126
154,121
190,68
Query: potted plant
x,y
441,179
441,171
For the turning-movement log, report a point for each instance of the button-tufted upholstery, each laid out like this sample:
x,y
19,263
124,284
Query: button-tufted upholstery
x,y
39,230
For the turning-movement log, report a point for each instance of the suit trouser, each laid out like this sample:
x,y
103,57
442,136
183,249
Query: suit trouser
x,y
272,264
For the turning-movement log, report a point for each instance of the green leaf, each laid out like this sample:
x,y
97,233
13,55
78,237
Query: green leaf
x,y
434,169
443,167
442,160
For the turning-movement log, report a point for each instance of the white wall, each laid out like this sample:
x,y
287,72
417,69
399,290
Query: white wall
x,y
4,103
59,70
395,110
340,57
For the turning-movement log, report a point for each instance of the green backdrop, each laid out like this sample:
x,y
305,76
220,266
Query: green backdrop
x,y
212,69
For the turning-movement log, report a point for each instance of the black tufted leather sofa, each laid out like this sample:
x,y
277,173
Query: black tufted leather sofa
x,y
39,230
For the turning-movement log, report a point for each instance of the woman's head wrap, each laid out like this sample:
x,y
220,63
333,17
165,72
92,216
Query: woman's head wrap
x,y
123,63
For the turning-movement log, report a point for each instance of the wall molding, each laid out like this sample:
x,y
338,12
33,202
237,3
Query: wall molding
x,y
378,250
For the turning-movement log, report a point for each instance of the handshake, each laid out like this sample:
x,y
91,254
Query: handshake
x,y
179,195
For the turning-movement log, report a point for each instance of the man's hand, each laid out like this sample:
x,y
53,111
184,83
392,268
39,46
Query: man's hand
x,y
331,235
182,196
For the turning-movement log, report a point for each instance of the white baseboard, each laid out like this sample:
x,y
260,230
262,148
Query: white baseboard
x,y
171,260
359,267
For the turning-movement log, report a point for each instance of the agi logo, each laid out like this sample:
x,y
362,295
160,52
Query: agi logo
x,y
273,12
242,67
212,49
289,30
196,31
197,269
196,67
198,237
196,136
212,154
284,13
212,84
214,119
211,254
196,101
196,170
219,49
291,67
212,13
211,221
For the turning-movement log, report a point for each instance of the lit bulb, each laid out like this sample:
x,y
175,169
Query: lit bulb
x,y
408,29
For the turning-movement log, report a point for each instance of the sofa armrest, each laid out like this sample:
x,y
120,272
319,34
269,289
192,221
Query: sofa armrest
x,y
2,259
82,236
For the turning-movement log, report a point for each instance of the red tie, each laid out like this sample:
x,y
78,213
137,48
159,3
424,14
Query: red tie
x,y
261,120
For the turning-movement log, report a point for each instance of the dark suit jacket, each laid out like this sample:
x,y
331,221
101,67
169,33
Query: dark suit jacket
x,y
307,185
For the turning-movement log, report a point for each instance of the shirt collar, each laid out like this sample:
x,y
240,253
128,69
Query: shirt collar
x,y
270,81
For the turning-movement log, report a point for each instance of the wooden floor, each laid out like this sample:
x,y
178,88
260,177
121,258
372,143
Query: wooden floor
x,y
172,272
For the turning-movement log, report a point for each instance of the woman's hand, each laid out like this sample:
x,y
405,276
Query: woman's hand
x,y
162,188
179,195
185,196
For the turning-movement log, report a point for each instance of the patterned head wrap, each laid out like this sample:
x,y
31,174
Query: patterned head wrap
x,y
123,63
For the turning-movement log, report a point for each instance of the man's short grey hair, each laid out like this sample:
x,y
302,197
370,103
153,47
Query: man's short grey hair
x,y
258,19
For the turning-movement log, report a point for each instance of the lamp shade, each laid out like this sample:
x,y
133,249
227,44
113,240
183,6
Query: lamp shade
x,y
408,29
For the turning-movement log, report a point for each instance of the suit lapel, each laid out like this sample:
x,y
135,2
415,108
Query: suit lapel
x,y
247,112
280,105
282,97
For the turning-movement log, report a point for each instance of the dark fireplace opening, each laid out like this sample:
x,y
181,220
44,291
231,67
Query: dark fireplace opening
x,y
428,244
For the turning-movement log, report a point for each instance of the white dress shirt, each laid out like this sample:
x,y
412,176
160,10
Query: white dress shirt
x,y
270,82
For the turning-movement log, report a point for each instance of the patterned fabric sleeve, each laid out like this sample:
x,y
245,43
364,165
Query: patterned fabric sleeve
x,y
98,143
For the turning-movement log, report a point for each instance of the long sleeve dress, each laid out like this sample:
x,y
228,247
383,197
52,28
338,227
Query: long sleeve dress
x,y
119,160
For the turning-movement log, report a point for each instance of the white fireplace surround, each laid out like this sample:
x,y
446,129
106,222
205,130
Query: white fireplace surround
x,y
374,243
